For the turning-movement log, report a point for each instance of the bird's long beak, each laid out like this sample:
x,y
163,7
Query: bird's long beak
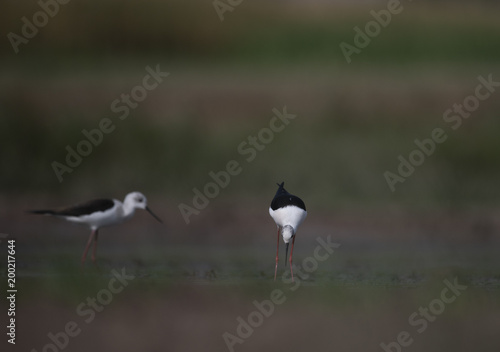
x,y
286,252
153,214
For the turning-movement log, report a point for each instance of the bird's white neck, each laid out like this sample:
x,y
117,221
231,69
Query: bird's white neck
x,y
287,232
128,210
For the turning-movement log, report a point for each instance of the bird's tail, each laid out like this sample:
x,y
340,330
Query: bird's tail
x,y
42,212
281,189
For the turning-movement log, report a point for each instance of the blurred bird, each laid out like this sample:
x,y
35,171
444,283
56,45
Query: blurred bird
x,y
98,213
288,212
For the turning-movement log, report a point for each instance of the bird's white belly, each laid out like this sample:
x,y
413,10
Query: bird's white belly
x,y
291,215
100,219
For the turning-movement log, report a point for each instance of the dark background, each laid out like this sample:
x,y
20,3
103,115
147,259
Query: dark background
x,y
352,122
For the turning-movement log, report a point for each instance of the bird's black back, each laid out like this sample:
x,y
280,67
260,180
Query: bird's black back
x,y
80,209
283,199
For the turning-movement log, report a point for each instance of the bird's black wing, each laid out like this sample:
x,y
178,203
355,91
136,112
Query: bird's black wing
x,y
283,199
287,200
80,209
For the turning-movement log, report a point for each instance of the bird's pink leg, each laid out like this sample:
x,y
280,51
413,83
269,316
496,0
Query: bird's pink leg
x,y
88,246
277,257
290,260
95,245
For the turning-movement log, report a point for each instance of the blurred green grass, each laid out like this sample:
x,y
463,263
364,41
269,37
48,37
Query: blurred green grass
x,y
348,157
55,271
257,32
380,104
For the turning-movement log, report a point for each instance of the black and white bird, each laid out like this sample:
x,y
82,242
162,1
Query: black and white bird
x,y
98,213
288,212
